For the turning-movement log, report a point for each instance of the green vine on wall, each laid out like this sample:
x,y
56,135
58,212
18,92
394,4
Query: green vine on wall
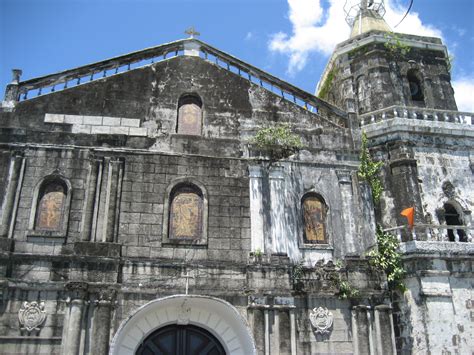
x,y
345,289
369,170
328,82
395,46
279,141
387,258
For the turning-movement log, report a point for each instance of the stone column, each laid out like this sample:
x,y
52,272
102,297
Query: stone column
x,y
405,188
73,327
350,233
15,175
277,198
361,330
256,209
293,330
12,91
109,201
94,177
100,336
20,161
267,331
385,335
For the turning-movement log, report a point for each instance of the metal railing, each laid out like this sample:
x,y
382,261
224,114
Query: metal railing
x,y
433,233
66,79
416,113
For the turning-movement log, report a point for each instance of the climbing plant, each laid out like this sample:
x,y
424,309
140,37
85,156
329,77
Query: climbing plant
x,y
328,82
279,140
344,287
369,170
395,46
387,258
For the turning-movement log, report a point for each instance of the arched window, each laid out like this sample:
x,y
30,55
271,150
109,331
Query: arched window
x,y
185,212
189,115
453,218
185,220
416,89
50,210
314,219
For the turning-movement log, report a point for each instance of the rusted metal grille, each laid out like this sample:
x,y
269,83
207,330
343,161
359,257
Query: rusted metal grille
x,y
186,215
49,212
314,214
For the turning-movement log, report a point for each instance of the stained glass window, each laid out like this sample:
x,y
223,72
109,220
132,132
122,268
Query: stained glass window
x,y
314,218
185,220
50,208
189,115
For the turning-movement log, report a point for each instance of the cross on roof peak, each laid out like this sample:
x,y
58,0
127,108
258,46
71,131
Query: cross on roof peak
x,y
192,32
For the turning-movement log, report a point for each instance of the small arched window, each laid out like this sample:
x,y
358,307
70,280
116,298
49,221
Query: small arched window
x,y
314,219
189,115
416,89
453,218
186,213
51,205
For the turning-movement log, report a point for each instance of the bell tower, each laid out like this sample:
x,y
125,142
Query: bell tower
x,y
377,68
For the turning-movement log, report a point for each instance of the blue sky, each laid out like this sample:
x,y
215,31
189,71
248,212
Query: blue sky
x,y
291,39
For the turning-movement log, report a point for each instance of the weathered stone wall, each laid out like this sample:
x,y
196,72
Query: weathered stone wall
x,y
374,76
114,141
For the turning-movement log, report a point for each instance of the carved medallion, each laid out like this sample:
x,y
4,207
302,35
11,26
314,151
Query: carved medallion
x,y
321,319
31,315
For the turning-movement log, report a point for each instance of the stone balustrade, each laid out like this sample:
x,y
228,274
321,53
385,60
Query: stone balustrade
x,y
416,113
432,233
23,90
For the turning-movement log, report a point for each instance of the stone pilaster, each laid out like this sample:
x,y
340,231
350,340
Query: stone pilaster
x,y
350,232
73,324
94,176
106,219
103,307
16,170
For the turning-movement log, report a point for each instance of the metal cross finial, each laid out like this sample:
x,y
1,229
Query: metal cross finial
x,y
192,32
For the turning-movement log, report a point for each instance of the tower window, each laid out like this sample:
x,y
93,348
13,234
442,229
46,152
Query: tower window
x,y
453,218
416,89
189,115
314,220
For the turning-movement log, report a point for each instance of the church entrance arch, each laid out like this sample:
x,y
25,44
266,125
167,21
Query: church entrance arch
x,y
181,340
208,322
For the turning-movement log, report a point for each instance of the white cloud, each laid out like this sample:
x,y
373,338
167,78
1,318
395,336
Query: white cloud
x,y
463,89
248,36
318,29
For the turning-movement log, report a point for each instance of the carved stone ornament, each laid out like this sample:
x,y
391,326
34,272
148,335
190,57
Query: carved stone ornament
x,y
321,319
31,315
183,313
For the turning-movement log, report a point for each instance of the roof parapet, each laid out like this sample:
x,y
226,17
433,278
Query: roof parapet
x,y
186,47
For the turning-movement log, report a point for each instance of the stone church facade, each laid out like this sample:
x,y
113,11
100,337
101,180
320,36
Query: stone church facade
x,y
138,215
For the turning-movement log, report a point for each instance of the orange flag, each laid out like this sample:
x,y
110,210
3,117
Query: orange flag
x,y
409,213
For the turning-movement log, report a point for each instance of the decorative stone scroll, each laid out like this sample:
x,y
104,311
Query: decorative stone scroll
x,y
321,320
31,315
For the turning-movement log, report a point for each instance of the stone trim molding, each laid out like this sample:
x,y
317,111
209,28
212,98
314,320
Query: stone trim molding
x,y
217,316
99,124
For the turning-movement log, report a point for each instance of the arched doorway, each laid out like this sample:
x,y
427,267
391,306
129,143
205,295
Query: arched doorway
x,y
217,319
181,340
